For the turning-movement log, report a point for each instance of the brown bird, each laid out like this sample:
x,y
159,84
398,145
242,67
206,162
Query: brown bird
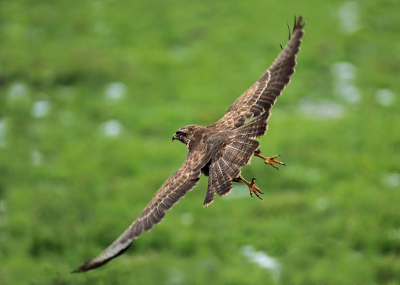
x,y
218,151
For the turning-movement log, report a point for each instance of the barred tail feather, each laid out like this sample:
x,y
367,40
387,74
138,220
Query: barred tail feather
x,y
226,168
213,185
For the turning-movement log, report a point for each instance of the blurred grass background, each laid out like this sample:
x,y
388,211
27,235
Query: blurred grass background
x,y
92,91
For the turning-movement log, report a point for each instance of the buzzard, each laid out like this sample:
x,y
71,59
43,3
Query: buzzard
x,y
218,151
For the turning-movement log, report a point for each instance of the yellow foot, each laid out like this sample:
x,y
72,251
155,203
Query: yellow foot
x,y
271,160
252,187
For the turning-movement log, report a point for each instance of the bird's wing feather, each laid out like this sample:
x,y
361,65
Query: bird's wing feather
x,y
175,187
261,96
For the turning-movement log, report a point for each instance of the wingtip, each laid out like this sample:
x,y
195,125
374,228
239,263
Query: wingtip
x,y
92,264
78,270
107,255
85,267
298,23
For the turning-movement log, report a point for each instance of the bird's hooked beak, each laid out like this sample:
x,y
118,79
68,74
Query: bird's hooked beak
x,y
174,137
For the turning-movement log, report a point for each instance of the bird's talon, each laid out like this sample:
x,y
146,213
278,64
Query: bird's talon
x,y
252,187
258,195
271,160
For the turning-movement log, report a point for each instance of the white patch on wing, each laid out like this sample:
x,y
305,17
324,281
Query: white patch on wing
x,y
236,148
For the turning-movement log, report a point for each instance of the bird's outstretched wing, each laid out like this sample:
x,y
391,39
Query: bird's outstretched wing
x,y
261,96
175,187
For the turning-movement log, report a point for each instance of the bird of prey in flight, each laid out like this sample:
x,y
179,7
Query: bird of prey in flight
x,y
218,151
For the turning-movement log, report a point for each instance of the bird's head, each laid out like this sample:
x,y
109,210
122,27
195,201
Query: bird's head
x,y
185,134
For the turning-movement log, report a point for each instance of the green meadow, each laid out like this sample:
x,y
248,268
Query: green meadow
x,y
91,93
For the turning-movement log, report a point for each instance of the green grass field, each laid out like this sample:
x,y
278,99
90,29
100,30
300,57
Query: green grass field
x,y
92,91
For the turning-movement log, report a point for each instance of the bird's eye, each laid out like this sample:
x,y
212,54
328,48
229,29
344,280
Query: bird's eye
x,y
179,133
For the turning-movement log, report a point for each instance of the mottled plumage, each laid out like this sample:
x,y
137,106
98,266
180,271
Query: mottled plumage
x,y
218,151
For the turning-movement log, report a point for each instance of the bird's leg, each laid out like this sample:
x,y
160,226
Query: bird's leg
x,y
252,187
269,160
